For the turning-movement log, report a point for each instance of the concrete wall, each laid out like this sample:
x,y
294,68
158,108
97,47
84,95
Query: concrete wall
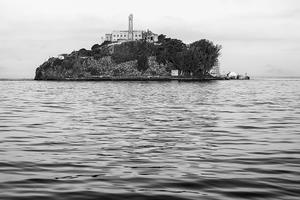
x,y
123,35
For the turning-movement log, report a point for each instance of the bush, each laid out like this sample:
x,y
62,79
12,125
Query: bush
x,y
57,62
161,38
84,52
132,51
95,46
94,71
68,64
105,43
168,50
142,63
116,72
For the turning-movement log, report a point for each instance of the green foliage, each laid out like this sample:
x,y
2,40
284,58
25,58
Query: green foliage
x,y
125,52
142,63
132,51
198,58
161,38
105,43
93,71
84,52
57,62
46,65
68,64
116,72
100,51
95,46
205,55
168,51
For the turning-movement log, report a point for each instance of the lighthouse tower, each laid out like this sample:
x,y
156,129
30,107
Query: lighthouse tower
x,y
130,27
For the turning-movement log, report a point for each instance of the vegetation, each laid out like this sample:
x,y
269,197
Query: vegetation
x,y
195,59
168,51
83,52
142,63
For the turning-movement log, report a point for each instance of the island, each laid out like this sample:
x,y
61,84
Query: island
x,y
136,55
165,59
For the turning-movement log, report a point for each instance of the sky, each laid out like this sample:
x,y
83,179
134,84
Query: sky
x,y
258,37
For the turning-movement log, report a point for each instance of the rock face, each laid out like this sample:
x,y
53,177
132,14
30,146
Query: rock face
x,y
89,67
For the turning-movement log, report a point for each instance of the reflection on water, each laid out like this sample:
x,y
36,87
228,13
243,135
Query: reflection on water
x,y
150,140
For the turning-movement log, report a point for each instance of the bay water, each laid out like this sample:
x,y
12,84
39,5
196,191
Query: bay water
x,y
150,140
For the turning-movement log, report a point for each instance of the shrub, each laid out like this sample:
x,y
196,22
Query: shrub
x,y
84,52
68,64
57,62
94,71
142,63
95,46
105,43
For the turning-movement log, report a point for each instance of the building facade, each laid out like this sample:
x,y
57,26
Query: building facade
x,y
130,34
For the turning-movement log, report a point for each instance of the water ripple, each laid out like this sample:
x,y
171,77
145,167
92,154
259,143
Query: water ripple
x,y
150,140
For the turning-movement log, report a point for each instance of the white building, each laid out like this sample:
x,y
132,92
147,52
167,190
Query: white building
x,y
130,34
123,36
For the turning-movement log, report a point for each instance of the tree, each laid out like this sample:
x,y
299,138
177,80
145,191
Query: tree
x,y
95,46
84,52
68,64
206,55
187,62
168,51
161,38
142,63
105,43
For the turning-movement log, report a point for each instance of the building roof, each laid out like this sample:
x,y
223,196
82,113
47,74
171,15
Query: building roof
x,y
127,31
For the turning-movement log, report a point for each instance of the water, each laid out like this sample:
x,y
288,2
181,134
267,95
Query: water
x,y
150,140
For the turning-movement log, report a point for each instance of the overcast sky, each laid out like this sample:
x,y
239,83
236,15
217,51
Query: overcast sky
x,y
261,37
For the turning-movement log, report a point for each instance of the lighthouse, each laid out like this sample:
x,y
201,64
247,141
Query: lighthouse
x,y
130,27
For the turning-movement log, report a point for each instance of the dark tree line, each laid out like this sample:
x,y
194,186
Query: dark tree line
x,y
197,58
